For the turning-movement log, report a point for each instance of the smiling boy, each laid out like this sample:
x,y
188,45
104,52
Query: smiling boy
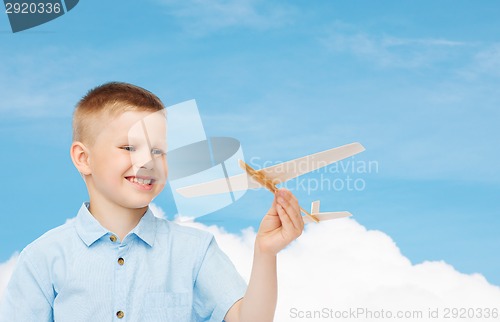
x,y
118,262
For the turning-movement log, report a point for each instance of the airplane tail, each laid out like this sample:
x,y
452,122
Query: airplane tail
x,y
315,207
322,216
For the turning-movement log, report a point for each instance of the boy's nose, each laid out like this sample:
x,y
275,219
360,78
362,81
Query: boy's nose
x,y
143,159
148,165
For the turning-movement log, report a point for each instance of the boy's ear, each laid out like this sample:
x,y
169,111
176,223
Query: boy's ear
x,y
80,157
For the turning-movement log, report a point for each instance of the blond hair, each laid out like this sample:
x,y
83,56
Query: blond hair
x,y
107,101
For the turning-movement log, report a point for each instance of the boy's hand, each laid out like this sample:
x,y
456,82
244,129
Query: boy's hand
x,y
281,225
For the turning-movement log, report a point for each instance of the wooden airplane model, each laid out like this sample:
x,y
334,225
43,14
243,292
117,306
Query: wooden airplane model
x,y
322,216
269,177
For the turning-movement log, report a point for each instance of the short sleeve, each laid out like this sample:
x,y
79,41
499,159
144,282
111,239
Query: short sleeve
x,y
217,287
27,297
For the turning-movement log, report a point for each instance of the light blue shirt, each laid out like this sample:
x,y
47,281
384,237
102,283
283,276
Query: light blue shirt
x,y
160,272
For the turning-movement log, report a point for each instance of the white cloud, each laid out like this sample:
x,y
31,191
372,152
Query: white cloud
x,y
484,64
200,17
156,210
489,60
41,85
21,80
340,265
6,271
389,51
343,267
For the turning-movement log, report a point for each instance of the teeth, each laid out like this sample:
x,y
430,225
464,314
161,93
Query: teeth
x,y
141,181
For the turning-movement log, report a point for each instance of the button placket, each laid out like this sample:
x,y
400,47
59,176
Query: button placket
x,y
121,282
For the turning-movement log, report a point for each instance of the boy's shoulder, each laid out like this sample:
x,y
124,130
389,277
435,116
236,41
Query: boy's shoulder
x,y
174,230
52,239
65,237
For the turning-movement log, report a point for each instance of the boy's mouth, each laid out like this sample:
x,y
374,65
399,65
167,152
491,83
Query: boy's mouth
x,y
143,182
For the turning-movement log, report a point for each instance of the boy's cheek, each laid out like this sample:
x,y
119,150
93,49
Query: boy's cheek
x,y
161,179
161,169
160,186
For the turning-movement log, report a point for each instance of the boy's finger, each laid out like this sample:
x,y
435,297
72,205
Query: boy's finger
x,y
296,218
290,210
288,195
272,210
295,215
286,222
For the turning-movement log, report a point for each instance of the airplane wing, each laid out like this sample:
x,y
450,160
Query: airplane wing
x,y
278,173
235,183
291,169
322,216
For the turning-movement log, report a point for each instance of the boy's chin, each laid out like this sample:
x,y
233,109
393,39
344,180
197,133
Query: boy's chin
x,y
138,200
137,204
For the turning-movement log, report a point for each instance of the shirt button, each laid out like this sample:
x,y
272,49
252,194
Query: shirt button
x,y
120,314
121,261
112,238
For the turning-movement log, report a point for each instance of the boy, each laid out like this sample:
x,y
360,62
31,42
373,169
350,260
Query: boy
x,y
116,261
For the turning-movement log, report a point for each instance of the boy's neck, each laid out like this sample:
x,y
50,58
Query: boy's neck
x,y
116,219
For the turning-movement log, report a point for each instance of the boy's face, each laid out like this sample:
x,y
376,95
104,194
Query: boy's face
x,y
128,159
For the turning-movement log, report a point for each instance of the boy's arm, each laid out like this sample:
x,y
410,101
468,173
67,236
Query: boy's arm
x,y
27,297
281,225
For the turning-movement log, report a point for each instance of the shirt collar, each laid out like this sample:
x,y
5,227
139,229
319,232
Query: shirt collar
x,y
90,230
146,228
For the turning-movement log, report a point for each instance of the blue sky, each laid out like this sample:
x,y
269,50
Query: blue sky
x,y
415,82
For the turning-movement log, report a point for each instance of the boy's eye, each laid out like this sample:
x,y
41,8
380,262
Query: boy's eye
x,y
157,152
154,151
129,148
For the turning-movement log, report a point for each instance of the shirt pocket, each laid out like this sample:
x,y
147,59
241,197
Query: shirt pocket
x,y
167,306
